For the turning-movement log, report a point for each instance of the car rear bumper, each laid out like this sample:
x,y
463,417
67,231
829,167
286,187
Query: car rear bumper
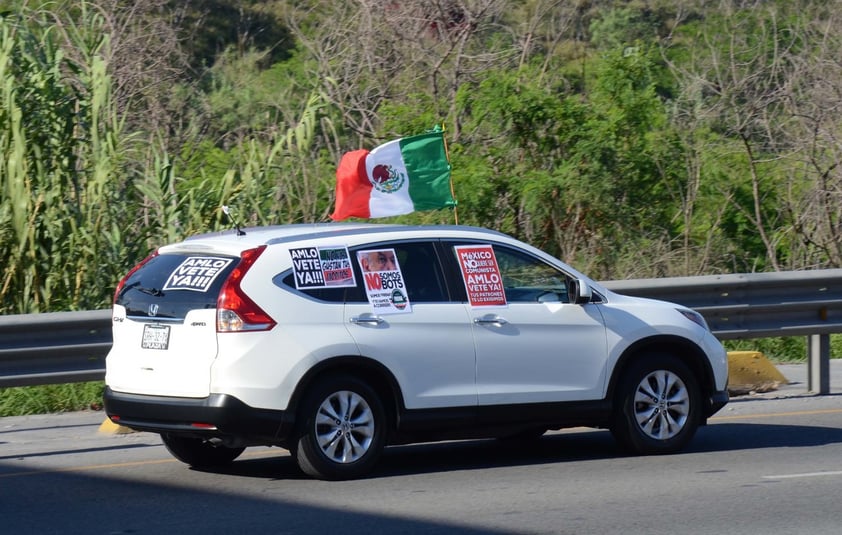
x,y
216,415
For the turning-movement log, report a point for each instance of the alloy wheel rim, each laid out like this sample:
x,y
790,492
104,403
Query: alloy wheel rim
x,y
661,405
344,427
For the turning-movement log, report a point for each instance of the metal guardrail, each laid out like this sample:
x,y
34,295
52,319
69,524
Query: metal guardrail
x,y
761,305
756,305
54,347
66,347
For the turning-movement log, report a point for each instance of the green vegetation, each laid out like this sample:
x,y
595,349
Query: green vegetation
x,y
19,401
784,350
705,134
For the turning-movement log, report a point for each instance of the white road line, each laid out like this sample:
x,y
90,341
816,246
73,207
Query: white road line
x,y
806,474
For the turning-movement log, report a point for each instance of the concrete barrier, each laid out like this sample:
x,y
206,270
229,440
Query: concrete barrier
x,y
110,428
751,371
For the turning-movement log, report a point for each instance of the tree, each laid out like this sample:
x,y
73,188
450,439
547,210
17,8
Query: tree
x,y
381,50
739,78
813,102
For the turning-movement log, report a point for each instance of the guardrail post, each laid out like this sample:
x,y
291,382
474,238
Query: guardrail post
x,y
818,363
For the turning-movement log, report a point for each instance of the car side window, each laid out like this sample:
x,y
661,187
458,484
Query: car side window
x,y
527,279
420,268
328,295
419,265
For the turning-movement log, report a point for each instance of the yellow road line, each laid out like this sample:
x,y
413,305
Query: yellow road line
x,y
116,465
85,468
805,474
775,414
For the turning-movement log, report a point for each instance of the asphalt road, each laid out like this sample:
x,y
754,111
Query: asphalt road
x,y
767,464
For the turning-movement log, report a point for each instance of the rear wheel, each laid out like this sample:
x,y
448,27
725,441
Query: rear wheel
x,y
343,430
198,452
658,406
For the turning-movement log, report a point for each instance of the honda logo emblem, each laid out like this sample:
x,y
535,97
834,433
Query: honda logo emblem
x,y
153,309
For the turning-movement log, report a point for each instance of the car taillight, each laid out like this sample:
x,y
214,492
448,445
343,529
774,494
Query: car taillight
x,y
235,311
131,272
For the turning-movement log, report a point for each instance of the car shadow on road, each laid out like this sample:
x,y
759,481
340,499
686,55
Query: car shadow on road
x,y
745,436
453,456
74,451
121,502
555,447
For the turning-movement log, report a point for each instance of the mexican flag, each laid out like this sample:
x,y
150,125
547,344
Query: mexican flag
x,y
398,177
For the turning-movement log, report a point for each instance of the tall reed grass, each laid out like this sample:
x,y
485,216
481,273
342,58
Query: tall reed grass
x,y
81,199
59,141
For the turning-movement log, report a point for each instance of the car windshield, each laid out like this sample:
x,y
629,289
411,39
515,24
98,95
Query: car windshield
x,y
170,285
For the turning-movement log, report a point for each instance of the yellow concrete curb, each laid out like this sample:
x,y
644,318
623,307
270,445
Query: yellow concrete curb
x,y
110,428
751,371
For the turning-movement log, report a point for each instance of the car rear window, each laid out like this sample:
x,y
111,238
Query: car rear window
x,y
168,286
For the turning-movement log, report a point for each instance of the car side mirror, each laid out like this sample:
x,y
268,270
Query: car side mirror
x,y
580,292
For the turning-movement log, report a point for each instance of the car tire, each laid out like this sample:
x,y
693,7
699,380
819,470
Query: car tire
x,y
198,452
343,430
658,406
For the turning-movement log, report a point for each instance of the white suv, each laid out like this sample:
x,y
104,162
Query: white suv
x,y
335,340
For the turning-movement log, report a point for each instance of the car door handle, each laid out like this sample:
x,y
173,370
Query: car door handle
x,y
490,320
367,320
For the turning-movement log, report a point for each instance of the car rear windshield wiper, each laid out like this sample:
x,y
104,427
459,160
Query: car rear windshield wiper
x,y
151,291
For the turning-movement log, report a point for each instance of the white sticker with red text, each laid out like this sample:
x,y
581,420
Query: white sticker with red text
x,y
384,284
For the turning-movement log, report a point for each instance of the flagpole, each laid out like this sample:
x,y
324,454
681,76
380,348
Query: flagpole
x,y
447,155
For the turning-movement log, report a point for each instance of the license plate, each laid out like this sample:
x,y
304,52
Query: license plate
x,y
155,337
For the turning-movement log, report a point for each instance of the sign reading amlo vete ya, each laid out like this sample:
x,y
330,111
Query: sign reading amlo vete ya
x,y
322,267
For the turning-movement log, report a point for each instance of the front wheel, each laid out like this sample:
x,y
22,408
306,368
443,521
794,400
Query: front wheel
x,y
658,406
198,452
343,430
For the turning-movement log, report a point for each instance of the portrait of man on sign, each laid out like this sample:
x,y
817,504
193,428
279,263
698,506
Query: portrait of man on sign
x,y
383,260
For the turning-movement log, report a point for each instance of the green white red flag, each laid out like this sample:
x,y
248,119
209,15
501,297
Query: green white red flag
x,y
398,177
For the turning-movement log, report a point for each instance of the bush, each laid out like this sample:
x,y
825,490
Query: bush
x,y
19,401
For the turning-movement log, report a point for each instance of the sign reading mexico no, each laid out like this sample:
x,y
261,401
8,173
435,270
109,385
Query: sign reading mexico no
x,y
196,273
481,275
